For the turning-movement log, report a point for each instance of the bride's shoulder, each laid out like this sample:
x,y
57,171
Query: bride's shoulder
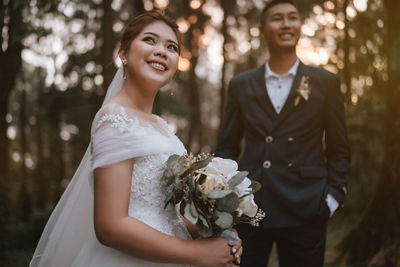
x,y
113,115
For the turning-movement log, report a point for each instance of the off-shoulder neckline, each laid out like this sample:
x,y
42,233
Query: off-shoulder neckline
x,y
151,118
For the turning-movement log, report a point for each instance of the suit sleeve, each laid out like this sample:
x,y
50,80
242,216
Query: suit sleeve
x,y
337,150
232,127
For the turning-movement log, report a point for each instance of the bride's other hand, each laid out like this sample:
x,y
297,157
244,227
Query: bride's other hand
x,y
214,252
237,249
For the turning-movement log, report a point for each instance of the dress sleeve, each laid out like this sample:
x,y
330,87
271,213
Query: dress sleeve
x,y
115,137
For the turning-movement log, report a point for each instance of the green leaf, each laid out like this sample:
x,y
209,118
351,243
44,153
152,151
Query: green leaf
x,y
237,179
255,186
170,194
172,161
228,203
188,214
196,166
203,221
224,220
216,194
193,210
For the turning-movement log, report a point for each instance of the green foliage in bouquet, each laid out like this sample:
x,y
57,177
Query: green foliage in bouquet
x,y
210,199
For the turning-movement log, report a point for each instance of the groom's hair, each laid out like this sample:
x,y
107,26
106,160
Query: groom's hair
x,y
272,3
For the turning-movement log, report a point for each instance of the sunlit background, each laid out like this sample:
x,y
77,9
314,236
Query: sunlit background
x,y
68,52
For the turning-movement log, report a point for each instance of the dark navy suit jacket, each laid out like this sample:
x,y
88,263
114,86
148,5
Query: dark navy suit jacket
x,y
299,155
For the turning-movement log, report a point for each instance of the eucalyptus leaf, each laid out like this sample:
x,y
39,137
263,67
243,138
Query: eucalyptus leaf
x,y
228,203
224,220
203,221
216,194
188,215
193,210
172,161
255,186
170,195
237,178
196,166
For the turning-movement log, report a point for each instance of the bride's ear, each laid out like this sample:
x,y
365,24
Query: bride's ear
x,y
122,55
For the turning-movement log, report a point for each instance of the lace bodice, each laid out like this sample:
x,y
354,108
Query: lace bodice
x,y
120,133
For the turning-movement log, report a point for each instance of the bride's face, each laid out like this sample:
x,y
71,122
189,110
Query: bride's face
x,y
153,55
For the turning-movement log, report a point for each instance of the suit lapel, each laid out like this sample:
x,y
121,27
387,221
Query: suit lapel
x,y
289,107
260,94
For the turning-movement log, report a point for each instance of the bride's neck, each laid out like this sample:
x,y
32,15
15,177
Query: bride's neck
x,y
139,98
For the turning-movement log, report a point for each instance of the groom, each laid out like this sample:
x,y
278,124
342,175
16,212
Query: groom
x,y
291,117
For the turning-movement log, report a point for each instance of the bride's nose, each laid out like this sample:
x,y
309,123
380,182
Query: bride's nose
x,y
160,52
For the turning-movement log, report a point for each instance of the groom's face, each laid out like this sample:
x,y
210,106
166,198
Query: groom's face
x,y
282,26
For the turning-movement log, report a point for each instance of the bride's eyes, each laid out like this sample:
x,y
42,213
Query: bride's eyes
x,y
152,40
149,39
173,47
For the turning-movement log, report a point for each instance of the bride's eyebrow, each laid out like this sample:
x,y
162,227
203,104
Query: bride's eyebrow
x,y
158,36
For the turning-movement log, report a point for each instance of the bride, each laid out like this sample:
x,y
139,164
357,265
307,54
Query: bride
x,y
112,213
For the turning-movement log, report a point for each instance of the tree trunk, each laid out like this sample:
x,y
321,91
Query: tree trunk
x,y
195,130
346,50
376,239
11,59
107,48
24,191
227,6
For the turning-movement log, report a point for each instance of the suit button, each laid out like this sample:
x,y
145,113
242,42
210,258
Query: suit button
x,y
290,139
269,139
290,165
267,164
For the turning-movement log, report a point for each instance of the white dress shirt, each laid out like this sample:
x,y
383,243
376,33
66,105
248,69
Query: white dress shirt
x,y
278,87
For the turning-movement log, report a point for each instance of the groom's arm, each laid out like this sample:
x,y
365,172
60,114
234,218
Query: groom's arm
x,y
232,126
337,150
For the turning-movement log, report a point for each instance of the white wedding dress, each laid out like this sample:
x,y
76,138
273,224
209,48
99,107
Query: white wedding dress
x,y
119,133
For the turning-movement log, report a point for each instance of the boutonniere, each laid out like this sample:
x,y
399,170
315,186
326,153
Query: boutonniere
x,y
304,90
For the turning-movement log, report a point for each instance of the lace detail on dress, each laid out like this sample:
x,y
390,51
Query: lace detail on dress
x,y
119,121
148,196
121,133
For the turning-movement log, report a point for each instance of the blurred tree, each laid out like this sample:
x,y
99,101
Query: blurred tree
x,y
376,239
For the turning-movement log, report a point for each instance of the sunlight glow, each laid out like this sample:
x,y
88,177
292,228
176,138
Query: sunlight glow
x,y
11,132
161,4
195,4
184,64
183,24
361,5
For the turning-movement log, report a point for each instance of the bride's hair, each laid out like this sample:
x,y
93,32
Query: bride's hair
x,y
136,25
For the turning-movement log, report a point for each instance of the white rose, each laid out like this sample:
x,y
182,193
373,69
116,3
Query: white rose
x,y
247,206
222,166
243,188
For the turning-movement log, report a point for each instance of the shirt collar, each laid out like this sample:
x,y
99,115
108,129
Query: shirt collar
x,y
292,72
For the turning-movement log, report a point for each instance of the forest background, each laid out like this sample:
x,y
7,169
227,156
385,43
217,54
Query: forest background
x,y
58,57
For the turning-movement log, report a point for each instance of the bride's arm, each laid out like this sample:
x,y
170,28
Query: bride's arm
x,y
114,228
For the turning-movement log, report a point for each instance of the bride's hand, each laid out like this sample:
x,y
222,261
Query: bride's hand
x,y
237,249
214,252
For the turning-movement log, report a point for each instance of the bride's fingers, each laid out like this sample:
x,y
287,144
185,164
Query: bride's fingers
x,y
238,255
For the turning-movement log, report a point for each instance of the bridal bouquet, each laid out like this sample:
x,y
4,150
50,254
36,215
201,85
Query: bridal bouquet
x,y
212,193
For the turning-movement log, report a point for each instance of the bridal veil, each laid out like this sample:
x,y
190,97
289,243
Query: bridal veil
x,y
72,219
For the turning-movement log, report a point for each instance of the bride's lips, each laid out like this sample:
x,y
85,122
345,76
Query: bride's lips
x,y
158,65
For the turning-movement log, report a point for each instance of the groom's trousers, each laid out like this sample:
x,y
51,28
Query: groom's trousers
x,y
301,246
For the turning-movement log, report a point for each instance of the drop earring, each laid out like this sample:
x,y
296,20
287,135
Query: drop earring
x,y
124,63
171,91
